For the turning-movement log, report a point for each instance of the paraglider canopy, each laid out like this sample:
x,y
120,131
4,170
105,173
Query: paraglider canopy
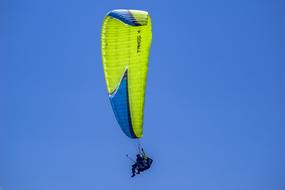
x,y
125,43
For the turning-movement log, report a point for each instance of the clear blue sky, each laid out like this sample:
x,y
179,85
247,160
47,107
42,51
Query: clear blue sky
x,y
215,101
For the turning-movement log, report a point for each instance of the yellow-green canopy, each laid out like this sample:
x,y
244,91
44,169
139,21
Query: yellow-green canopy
x,y
125,41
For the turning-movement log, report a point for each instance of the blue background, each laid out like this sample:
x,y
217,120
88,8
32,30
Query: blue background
x,y
215,101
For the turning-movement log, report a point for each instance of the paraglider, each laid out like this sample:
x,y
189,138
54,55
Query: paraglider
x,y
142,163
125,44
